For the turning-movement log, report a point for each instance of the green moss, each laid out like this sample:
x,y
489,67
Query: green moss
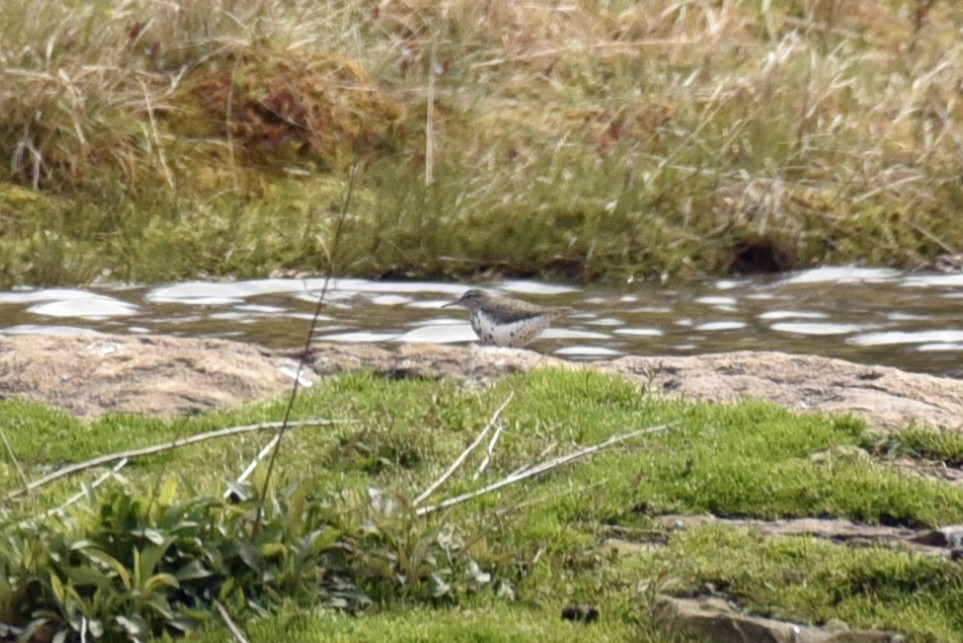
x,y
922,442
541,539
489,623
814,581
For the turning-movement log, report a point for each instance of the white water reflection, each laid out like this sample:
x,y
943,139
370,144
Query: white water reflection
x,y
364,285
808,328
25,296
90,307
731,284
441,334
209,293
721,325
570,333
937,280
718,301
640,332
53,329
605,321
791,314
863,314
389,300
941,347
899,337
843,275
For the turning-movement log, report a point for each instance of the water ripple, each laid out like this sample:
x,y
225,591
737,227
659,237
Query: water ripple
x,y
809,328
850,312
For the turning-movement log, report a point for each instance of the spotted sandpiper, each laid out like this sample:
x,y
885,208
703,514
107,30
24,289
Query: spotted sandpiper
x,y
500,321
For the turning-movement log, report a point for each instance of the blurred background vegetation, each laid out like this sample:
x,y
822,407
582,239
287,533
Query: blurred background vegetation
x,y
582,140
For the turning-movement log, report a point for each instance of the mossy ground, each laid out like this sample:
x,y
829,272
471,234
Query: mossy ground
x,y
148,141
543,538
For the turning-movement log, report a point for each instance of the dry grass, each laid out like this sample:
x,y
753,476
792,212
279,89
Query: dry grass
x,y
585,139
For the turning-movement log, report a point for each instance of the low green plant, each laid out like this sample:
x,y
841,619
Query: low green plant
x,y
134,565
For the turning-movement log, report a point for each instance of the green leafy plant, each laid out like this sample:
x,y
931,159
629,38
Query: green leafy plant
x,y
137,565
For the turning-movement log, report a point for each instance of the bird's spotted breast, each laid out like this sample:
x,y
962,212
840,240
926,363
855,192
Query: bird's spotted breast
x,y
516,333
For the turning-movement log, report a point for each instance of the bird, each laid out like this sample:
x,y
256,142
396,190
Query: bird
x,y
501,321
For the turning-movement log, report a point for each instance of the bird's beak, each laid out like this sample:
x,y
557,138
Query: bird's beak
x,y
452,303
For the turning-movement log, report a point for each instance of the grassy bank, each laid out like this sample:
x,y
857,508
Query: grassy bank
x,y
155,548
585,140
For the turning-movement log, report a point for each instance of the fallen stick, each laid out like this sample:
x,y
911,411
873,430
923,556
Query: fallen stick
x,y
529,465
54,511
101,479
252,465
491,451
158,448
231,625
13,456
542,468
464,454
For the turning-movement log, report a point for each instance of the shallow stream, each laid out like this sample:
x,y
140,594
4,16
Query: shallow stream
x,y
910,320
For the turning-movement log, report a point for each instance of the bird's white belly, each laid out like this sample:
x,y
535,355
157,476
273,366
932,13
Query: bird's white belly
x,y
512,334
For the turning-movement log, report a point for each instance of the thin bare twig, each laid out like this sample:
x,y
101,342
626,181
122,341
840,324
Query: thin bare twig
x,y
542,468
156,136
309,336
156,448
13,456
947,248
525,467
491,450
235,630
430,117
229,129
594,49
101,479
252,465
531,502
464,454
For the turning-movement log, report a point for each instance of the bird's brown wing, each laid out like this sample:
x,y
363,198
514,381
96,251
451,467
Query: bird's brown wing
x,y
515,310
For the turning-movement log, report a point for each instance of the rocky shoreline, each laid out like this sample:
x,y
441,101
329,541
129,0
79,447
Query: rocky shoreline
x,y
89,375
